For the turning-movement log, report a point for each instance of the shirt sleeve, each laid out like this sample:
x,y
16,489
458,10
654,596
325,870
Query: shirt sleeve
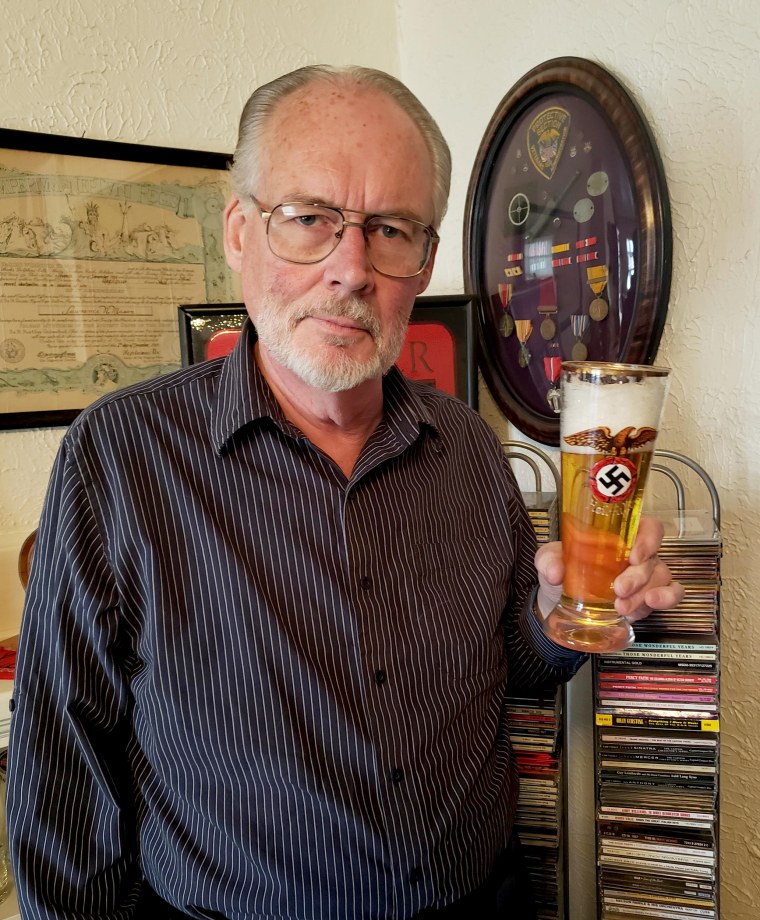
x,y
70,814
536,664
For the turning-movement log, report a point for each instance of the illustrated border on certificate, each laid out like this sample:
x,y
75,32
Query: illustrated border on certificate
x,y
439,347
100,242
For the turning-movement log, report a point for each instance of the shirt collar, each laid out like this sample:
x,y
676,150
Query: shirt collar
x,y
244,397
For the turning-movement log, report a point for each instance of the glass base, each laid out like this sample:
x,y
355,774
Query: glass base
x,y
588,629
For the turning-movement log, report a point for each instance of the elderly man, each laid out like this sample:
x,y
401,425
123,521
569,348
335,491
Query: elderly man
x,y
277,598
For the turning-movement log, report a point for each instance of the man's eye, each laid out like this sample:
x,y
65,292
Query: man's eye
x,y
390,231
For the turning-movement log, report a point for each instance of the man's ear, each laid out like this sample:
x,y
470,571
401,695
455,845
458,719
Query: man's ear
x,y
234,234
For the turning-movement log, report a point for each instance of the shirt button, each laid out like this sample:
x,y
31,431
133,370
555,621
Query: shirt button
x,y
365,583
415,876
397,775
380,677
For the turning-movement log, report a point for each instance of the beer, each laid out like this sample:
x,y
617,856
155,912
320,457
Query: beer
x,y
609,420
597,536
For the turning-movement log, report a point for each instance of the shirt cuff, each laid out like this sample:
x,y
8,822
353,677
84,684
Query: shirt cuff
x,y
549,651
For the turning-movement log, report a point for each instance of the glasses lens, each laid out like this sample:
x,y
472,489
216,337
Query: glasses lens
x,y
307,233
304,232
397,246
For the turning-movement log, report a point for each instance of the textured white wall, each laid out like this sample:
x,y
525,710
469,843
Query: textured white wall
x,y
694,67
176,73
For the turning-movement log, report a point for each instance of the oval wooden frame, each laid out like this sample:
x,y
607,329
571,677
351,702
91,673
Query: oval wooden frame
x,y
602,90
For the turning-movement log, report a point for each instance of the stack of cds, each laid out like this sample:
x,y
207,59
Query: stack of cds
x,y
535,729
657,746
660,683
692,548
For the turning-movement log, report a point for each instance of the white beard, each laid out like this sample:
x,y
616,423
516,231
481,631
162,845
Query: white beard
x,y
333,370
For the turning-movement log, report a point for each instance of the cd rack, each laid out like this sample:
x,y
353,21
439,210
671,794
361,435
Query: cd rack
x,y
536,727
657,733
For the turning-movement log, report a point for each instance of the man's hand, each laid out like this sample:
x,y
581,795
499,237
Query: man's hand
x,y
645,585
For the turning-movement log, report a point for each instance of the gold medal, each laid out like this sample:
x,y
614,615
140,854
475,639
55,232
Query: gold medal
x,y
598,309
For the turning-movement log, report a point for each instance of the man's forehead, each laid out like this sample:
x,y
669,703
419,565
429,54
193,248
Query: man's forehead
x,y
337,139
322,103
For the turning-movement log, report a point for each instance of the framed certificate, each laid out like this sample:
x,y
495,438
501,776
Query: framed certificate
x,y
99,244
567,237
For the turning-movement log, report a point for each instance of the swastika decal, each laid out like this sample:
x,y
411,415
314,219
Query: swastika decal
x,y
612,479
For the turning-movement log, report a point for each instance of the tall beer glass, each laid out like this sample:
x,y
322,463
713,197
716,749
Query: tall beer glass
x,y
608,424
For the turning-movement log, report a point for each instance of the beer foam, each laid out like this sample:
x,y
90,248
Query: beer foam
x,y
614,405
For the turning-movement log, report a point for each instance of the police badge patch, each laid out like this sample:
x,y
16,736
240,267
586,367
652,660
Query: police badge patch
x,y
547,134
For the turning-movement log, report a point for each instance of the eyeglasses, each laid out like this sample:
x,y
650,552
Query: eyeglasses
x,y
307,233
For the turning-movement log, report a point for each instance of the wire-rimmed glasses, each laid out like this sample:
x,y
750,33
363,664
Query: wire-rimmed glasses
x,y
305,233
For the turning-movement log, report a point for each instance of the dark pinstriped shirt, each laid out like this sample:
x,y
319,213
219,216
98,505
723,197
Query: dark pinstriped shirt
x,y
271,691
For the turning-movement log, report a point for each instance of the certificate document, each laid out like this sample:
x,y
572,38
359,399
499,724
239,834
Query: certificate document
x,y
96,255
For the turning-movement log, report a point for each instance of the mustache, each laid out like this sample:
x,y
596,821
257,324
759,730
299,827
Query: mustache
x,y
351,308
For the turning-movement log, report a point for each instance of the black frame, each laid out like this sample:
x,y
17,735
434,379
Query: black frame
x,y
198,323
128,153
601,92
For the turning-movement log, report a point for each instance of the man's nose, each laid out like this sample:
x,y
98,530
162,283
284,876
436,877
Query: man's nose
x,y
348,265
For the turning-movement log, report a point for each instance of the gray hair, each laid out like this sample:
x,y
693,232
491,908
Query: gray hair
x,y
262,103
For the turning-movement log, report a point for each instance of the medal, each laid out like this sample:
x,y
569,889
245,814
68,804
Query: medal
x,y
579,322
524,328
507,324
596,278
552,366
548,329
579,352
598,309
547,307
